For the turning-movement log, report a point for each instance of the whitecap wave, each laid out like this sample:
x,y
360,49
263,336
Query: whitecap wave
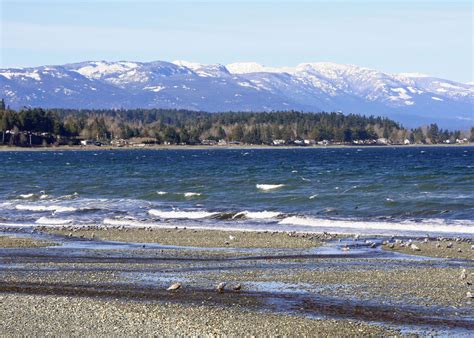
x,y
41,208
26,196
69,197
125,222
257,214
181,214
53,221
191,194
426,226
161,192
269,186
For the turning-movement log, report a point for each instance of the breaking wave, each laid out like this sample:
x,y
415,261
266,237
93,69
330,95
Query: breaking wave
x,y
176,214
257,214
41,208
53,221
267,187
191,194
426,226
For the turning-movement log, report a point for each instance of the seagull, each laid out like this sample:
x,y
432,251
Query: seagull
x,y
231,237
174,287
237,287
463,274
469,294
221,286
414,247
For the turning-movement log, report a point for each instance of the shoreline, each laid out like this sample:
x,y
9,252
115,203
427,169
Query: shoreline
x,y
287,286
217,147
183,237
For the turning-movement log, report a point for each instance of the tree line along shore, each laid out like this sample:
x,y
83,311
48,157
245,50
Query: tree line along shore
x,y
120,127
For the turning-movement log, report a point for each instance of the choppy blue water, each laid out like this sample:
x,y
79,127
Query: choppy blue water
x,y
402,190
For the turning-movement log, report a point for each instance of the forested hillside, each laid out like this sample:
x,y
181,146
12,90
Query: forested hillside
x,y
190,127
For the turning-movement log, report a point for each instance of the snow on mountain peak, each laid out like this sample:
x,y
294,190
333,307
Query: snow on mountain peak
x,y
329,68
203,70
412,75
241,86
187,64
245,67
97,69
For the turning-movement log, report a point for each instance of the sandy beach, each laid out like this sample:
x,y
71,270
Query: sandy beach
x,y
114,281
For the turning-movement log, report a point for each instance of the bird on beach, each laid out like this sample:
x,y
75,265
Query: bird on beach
x,y
237,287
463,274
174,287
221,286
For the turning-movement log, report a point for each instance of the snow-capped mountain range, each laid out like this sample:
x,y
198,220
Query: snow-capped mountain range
x,y
412,99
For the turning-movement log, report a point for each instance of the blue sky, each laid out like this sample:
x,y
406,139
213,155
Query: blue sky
x,y
433,37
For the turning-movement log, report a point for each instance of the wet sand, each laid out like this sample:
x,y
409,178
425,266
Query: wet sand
x,y
18,242
291,285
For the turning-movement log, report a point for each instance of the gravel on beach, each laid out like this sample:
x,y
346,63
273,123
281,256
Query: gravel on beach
x,y
59,315
448,248
20,242
122,290
201,238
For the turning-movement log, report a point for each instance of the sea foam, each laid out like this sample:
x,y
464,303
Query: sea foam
x,y
27,196
257,214
53,221
427,226
181,214
40,208
269,186
126,222
191,194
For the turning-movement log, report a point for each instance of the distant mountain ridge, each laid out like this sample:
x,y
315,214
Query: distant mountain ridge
x,y
412,99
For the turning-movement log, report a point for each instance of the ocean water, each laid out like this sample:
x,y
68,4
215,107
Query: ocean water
x,y
405,190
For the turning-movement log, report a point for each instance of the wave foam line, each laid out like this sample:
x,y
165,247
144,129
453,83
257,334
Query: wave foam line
x,y
257,214
175,214
27,196
126,222
53,208
191,194
266,187
427,226
53,221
